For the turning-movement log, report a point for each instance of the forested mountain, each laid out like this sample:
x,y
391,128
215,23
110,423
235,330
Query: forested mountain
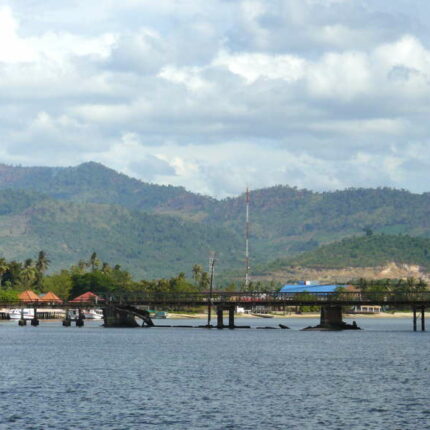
x,y
90,207
365,251
286,220
148,245
94,183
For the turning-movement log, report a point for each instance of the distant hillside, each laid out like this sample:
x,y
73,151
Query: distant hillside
x,y
285,221
147,245
95,183
366,251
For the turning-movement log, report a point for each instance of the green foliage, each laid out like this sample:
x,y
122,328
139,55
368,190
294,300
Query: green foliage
x,y
368,251
71,212
14,202
390,285
96,282
146,244
8,295
59,283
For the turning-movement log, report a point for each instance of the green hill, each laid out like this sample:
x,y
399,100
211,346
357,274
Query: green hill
x,y
147,245
366,251
95,183
285,221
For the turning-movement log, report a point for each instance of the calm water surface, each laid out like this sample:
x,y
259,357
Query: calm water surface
x,y
54,377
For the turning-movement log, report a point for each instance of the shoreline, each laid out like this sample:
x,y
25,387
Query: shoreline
x,y
307,315
303,315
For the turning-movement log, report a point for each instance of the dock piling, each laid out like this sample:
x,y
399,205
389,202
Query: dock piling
x,y
231,318
35,320
80,319
219,318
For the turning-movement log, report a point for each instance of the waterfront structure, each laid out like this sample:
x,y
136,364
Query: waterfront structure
x,y
50,297
121,310
28,296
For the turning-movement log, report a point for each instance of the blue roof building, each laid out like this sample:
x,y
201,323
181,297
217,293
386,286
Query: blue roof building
x,y
303,288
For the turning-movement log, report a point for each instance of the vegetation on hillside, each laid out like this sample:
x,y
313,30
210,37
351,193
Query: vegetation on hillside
x,y
94,183
146,244
366,251
73,211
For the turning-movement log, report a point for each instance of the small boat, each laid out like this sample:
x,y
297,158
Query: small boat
x,y
160,315
262,315
26,313
93,314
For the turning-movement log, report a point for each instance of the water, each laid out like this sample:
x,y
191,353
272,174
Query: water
x,y
94,378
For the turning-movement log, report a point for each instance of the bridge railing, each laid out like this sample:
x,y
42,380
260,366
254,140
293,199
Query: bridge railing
x,y
272,297
243,298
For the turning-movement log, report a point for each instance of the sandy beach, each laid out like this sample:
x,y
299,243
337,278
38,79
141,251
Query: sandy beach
x,y
302,315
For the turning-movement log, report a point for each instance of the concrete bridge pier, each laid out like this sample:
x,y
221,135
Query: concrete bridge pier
x,y
80,319
331,319
35,320
67,322
116,317
331,316
22,322
220,316
415,318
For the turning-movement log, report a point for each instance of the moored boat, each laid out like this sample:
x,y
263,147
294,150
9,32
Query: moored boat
x,y
26,313
93,314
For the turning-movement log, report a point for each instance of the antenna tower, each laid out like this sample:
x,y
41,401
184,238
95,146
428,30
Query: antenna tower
x,y
247,240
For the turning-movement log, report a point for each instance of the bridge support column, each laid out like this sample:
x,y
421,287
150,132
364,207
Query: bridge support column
x,y
331,316
231,318
80,319
22,322
114,317
331,319
67,321
414,309
220,317
423,319
35,320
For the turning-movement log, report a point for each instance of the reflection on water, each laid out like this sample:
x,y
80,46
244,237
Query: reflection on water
x,y
178,378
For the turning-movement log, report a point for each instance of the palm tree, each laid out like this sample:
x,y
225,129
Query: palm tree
x,y
94,262
28,275
204,281
42,264
197,273
3,269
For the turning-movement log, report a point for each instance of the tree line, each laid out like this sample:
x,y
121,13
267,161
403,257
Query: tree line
x,y
90,274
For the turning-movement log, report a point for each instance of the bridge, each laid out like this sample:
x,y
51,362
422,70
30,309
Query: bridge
x,y
120,308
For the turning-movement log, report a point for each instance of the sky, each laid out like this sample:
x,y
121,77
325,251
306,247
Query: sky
x,y
219,95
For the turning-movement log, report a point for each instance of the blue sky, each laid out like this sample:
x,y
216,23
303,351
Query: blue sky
x,y
217,95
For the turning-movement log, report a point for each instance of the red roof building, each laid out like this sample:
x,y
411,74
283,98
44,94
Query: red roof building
x,y
87,297
50,298
28,296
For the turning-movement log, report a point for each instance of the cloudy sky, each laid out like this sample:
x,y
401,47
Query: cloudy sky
x,y
216,95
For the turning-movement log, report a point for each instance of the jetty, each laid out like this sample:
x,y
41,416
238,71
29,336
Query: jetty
x,y
121,310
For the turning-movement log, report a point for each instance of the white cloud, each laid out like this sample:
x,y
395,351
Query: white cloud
x,y
252,66
217,95
12,48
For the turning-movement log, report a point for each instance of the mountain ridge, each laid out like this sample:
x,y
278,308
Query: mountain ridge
x,y
285,221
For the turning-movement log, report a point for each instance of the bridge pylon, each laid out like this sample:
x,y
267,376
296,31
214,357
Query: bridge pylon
x,y
331,319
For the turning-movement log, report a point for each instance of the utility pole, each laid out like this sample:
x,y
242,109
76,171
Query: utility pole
x,y
212,261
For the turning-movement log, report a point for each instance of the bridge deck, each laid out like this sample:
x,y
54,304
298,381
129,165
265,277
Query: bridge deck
x,y
246,299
